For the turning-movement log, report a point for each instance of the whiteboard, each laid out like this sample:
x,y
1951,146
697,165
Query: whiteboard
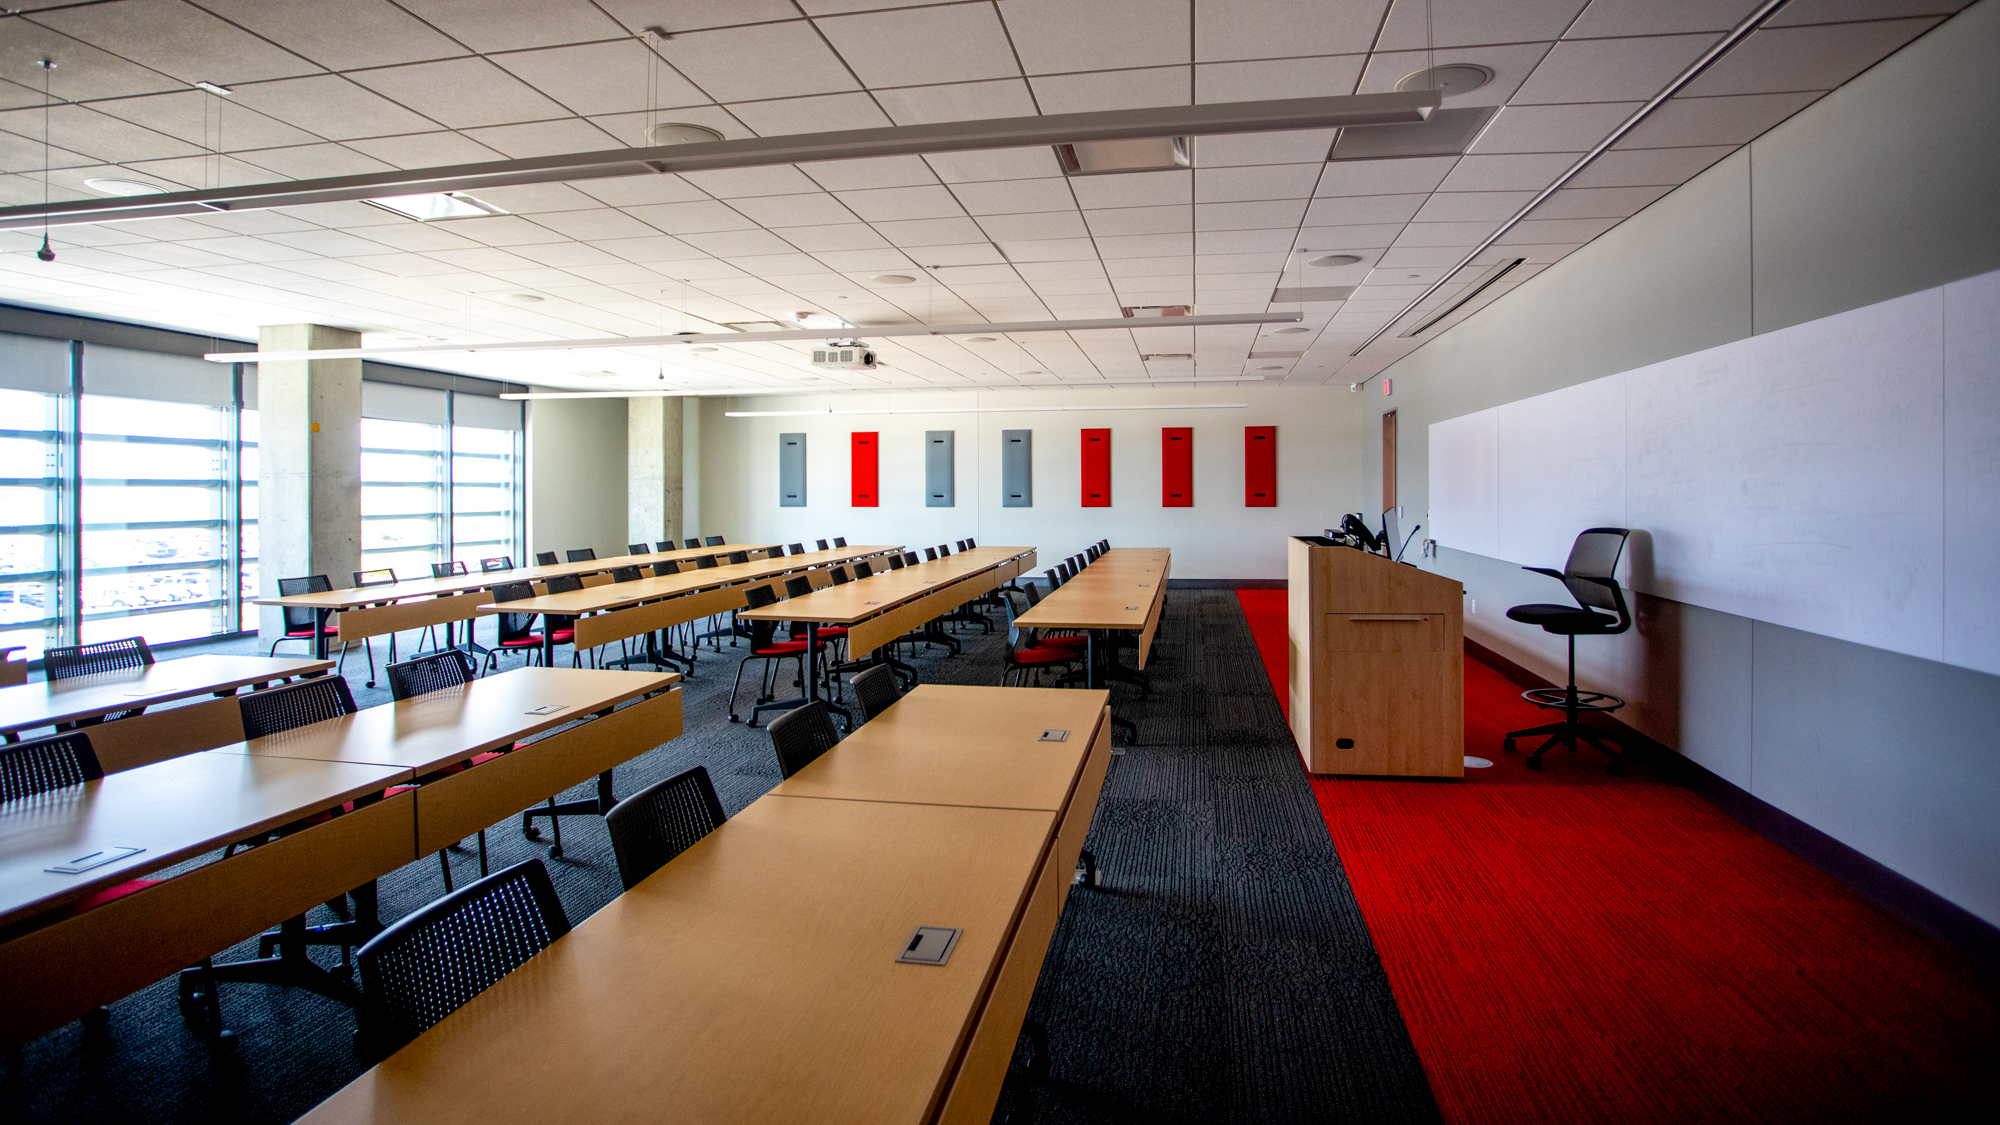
x,y
1799,477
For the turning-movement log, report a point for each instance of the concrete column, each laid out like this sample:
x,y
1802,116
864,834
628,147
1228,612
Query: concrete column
x,y
653,469
308,462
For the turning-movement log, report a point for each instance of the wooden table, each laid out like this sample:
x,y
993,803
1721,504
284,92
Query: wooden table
x,y
191,805
885,606
27,706
370,611
1123,591
755,978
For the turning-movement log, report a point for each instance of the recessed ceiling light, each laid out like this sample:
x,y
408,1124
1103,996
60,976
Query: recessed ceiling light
x,y
593,374
1450,80
1290,331
214,89
892,279
704,349
1273,367
123,187
755,325
680,133
1157,310
1031,373
1332,260
979,339
1145,154
431,206
524,298
1148,357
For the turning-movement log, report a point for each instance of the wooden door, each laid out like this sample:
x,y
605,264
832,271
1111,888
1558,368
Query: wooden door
x,y
1388,461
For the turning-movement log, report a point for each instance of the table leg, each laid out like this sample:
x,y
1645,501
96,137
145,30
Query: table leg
x,y
548,641
812,661
319,632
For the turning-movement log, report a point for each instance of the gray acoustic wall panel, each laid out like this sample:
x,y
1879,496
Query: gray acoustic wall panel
x,y
1017,468
938,469
791,470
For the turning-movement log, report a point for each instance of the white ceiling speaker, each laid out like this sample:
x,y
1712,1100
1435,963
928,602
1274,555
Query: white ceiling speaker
x,y
123,187
892,279
1331,260
680,133
1290,331
979,339
524,298
1450,80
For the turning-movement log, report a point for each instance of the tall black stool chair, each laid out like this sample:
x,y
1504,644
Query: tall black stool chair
x,y
1600,610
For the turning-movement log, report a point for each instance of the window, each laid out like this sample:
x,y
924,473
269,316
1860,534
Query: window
x,y
31,476
402,496
485,471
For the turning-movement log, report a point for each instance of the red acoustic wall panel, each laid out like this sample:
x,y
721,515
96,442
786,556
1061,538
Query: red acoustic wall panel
x,y
867,473
1177,466
1260,466
1097,468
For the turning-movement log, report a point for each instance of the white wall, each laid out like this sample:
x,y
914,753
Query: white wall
x,y
1319,475
1882,189
576,475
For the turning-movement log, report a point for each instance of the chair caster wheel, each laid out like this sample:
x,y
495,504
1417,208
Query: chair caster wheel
x,y
97,1019
555,852
1507,745
735,719
1534,763
531,832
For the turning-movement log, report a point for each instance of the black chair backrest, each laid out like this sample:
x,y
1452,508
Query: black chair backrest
x,y
961,546
664,545
930,554
863,570
822,544
876,688
715,541
662,569
757,597
896,562
909,558
738,558
42,764
425,674
635,548
801,735
692,543
798,548
706,562
278,709
798,587
301,617
382,577
761,632
582,554
839,542
447,569
69,661
944,552
1055,580
565,584
545,558
660,822
624,574
491,566
1034,593
514,626
424,967
840,576
1590,572
969,545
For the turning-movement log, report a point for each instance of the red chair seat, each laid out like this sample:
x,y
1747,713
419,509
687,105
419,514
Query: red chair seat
x,y
565,636
780,648
532,640
1041,656
1061,642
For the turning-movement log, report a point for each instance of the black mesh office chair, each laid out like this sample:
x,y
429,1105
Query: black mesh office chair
x,y
961,546
798,548
660,822
840,576
764,646
839,542
944,552
279,709
863,570
545,558
635,548
896,562
582,554
437,672
301,620
738,558
715,541
662,569
447,569
70,661
877,689
1599,611
706,562
41,764
970,545
930,554
421,969
625,574
691,544
822,544
494,566
909,558
801,735
664,545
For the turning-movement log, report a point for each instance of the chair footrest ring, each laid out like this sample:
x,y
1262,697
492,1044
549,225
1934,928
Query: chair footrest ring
x,y
1585,700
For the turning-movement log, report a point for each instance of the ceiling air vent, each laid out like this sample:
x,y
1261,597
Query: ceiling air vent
x,y
1479,285
1147,154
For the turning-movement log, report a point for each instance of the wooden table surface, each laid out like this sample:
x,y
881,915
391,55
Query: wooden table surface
x,y
439,728
1118,591
353,596
26,706
953,745
617,595
175,809
864,598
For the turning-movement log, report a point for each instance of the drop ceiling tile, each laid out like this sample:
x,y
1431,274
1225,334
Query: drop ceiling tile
x,y
1839,11
1248,216
460,93
738,243
889,204
544,138
1611,70
352,33
330,243
636,191
1037,272
485,26
737,183
1352,210
1121,246
332,107
1243,263
1457,23
484,259
1277,78
1013,197
603,78
1510,64
630,128
417,238
868,259
97,136
1224,30
1598,203
1606,19
592,225
242,222
930,232
1527,172
1649,166
1299,146
1551,231
343,215
1473,206
1348,237
1059,36
426,150
943,255
395,265
1140,220
176,39
1805,58
871,172
700,217
82,72
1114,89
1072,286
815,209
840,236
1245,241
174,254
908,47
1385,177
1686,122
308,162
963,101
497,230
770,60
1552,128
1242,184
659,248
826,113
1033,227
529,199
1050,250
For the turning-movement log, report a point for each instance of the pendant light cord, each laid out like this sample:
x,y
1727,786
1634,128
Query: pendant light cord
x,y
45,253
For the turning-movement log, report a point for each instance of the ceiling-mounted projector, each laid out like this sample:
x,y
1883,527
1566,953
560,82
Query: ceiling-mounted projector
x,y
845,356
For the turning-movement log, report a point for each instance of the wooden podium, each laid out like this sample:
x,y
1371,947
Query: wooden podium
x,y
1378,653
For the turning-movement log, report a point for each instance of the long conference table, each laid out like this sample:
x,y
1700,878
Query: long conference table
x,y
61,847
371,611
758,976
26,707
1124,590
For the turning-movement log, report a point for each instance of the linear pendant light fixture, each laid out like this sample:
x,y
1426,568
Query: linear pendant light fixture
x,y
779,336
987,409
1281,115
885,388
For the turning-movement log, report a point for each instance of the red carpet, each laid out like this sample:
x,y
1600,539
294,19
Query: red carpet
x,y
1568,946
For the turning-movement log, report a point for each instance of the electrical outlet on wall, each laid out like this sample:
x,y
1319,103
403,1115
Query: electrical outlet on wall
x,y
1471,604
